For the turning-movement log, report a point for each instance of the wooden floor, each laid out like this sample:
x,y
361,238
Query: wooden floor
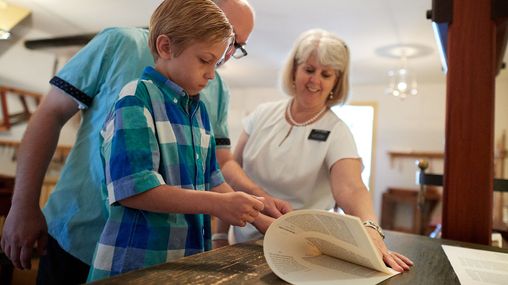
x,y
25,277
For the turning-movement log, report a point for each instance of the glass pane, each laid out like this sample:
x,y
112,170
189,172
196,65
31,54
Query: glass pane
x,y
360,119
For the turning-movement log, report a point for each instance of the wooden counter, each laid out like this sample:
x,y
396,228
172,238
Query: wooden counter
x,y
245,264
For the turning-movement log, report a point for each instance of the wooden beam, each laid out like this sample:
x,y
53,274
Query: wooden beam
x,y
79,40
469,149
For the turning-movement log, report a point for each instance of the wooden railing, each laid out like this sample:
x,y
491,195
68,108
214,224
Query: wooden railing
x,y
61,151
8,118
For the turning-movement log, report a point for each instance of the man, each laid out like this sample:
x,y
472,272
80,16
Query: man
x,y
74,215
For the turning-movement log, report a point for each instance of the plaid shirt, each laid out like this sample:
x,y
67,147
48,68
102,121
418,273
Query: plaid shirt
x,y
157,136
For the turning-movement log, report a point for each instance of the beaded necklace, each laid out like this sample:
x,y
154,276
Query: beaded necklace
x,y
309,121
296,124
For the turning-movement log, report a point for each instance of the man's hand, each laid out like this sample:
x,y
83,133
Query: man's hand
x,y
262,223
24,228
275,207
235,176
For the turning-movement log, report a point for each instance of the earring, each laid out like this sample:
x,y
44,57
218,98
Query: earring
x,y
330,96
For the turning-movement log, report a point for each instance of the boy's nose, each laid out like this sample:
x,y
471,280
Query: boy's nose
x,y
210,75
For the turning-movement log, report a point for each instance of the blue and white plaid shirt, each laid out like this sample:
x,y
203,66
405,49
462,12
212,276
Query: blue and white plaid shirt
x,y
155,135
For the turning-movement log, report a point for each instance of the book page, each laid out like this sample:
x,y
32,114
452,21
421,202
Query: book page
x,y
319,247
474,266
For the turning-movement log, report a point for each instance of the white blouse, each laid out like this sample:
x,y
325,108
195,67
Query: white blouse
x,y
288,163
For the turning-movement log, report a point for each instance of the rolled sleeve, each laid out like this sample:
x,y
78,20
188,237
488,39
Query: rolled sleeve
x,y
220,128
216,98
216,178
134,184
83,74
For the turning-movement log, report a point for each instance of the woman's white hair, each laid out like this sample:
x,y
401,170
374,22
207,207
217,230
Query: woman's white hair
x,y
329,50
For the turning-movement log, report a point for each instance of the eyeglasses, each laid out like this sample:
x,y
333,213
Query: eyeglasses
x,y
235,50
240,50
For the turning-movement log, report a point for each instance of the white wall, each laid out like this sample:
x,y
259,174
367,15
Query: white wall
x,y
416,123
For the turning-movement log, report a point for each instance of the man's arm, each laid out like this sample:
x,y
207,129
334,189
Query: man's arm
x,y
25,224
235,176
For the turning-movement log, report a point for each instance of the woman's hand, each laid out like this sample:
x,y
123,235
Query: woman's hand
x,y
396,261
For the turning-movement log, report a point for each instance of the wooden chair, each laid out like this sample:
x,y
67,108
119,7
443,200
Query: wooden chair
x,y
9,119
395,197
430,179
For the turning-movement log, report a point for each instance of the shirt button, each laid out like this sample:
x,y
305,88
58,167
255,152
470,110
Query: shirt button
x,y
197,156
175,100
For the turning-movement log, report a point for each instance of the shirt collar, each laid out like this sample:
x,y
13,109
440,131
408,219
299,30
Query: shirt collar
x,y
177,94
161,80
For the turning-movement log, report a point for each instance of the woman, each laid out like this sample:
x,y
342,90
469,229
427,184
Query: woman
x,y
300,151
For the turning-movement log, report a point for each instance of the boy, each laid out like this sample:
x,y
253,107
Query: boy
x,y
158,150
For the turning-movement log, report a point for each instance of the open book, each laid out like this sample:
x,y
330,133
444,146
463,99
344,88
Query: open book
x,y
320,247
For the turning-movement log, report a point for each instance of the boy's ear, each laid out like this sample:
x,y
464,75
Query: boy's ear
x,y
163,45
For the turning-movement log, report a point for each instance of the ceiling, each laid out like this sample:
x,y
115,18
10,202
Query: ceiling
x,y
366,25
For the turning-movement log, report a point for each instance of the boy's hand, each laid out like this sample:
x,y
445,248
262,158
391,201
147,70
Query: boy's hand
x,y
238,208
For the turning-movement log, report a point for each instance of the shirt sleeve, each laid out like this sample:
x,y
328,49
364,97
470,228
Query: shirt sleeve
x,y
83,75
220,128
342,145
112,58
250,121
130,147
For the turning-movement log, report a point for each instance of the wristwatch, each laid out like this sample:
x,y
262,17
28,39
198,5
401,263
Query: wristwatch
x,y
375,226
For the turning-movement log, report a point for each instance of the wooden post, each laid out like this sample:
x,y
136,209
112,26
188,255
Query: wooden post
x,y
469,150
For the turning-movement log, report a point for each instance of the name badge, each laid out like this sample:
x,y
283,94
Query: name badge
x,y
319,135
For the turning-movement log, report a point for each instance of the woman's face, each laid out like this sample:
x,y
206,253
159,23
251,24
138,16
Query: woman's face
x,y
314,82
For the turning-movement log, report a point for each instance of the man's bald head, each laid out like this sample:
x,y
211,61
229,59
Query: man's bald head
x,y
240,15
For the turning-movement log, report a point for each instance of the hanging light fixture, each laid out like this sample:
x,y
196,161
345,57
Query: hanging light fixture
x,y
402,81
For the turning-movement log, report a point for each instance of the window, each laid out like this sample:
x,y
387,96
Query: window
x,y
360,118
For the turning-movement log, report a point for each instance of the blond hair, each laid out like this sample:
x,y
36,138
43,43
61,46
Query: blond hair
x,y
329,50
187,21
